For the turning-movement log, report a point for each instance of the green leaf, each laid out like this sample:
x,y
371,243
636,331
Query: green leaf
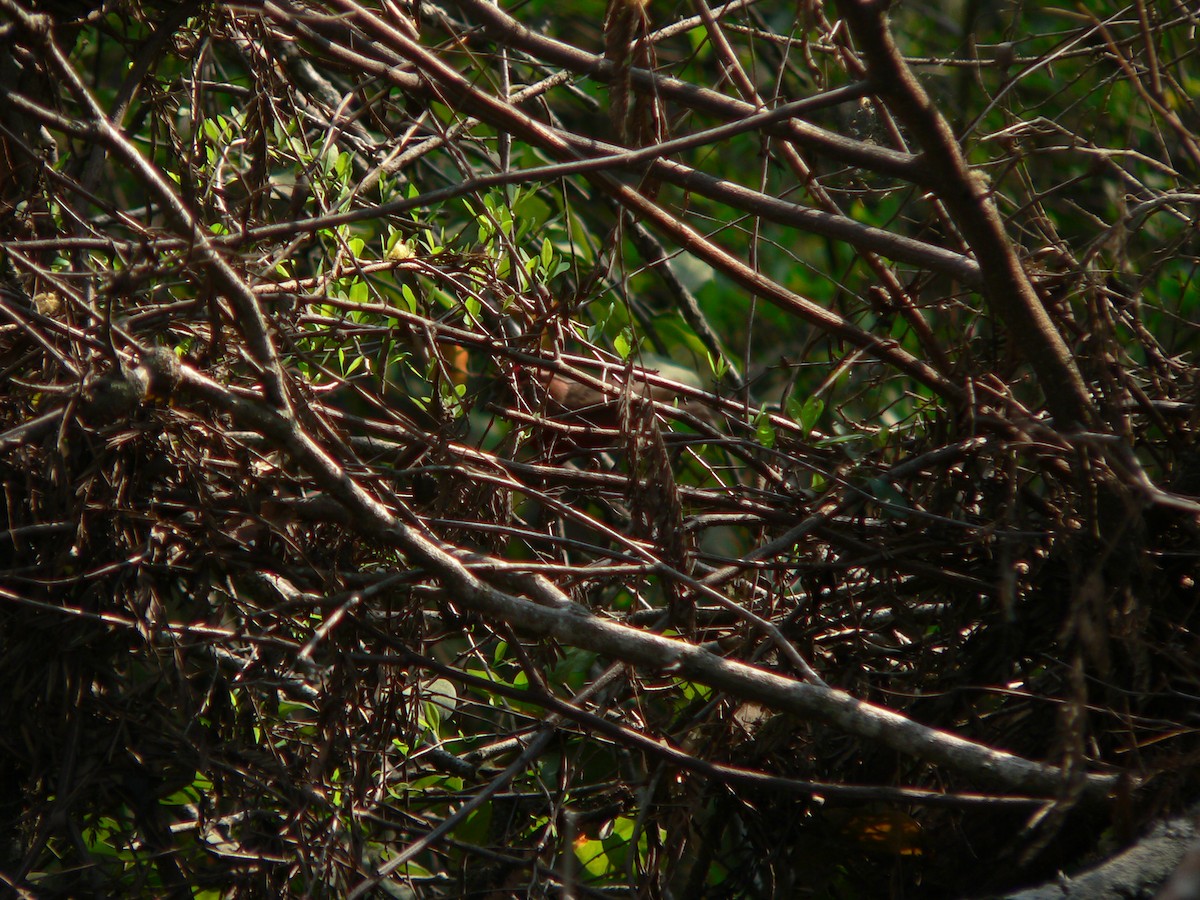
x,y
807,412
717,364
409,298
693,690
623,343
342,164
409,870
476,827
593,856
764,431
212,129
601,313
433,244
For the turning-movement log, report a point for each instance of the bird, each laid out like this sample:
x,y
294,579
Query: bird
x,y
570,397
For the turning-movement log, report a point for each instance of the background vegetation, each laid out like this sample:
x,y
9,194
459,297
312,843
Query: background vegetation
x,y
868,569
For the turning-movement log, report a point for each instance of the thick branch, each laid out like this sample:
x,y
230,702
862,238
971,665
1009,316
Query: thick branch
x,y
1005,284
552,614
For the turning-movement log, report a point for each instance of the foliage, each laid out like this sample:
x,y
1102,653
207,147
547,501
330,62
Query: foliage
x,y
871,550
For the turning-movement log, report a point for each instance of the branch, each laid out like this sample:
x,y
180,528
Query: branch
x,y
1005,284
550,614
509,31
250,318
453,88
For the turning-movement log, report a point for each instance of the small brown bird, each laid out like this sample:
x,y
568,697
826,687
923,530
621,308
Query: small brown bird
x,y
568,396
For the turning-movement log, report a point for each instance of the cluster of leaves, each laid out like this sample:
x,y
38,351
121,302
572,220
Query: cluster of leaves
x,y
884,496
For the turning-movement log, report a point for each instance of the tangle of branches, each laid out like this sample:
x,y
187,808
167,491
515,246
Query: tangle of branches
x,y
458,449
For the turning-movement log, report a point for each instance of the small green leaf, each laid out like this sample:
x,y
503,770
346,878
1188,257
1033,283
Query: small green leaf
x,y
693,690
410,870
717,364
764,431
623,343
341,165
409,298
212,129
601,312
806,413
